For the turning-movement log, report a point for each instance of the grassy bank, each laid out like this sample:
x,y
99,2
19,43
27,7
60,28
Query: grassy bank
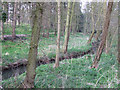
x,y
74,73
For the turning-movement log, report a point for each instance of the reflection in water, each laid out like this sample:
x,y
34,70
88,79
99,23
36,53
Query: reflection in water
x,y
13,72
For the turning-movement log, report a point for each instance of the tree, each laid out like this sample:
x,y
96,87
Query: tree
x,y
112,32
67,29
95,19
101,20
32,56
55,23
2,36
3,18
71,17
119,37
19,9
58,37
104,35
14,20
93,25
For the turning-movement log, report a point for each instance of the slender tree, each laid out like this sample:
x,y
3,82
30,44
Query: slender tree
x,y
19,12
2,34
104,35
119,35
32,56
3,18
71,17
58,37
14,20
67,29
119,38
93,25
55,24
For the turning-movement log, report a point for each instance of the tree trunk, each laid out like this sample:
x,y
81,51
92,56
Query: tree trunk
x,y
104,13
14,20
98,34
93,31
56,24
67,29
32,56
49,22
58,38
72,11
115,33
119,38
19,14
107,44
104,35
2,25
62,19
2,30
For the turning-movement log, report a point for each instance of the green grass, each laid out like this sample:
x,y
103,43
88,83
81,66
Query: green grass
x,y
22,29
74,73
18,49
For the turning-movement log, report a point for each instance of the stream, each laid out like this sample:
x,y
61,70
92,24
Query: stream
x,y
15,71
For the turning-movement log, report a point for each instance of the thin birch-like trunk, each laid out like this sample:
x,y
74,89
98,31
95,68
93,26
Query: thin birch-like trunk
x,y
65,46
58,37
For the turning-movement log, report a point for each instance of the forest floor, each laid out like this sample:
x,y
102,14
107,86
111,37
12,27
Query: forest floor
x,y
72,73
12,51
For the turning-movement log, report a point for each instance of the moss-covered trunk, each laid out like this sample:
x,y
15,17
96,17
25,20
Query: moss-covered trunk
x,y
93,31
32,56
71,17
67,29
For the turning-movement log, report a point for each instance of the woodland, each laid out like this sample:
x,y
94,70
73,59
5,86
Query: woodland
x,y
59,44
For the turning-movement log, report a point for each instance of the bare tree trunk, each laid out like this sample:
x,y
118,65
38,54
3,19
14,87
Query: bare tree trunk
x,y
119,38
71,17
56,24
19,14
14,20
67,29
107,44
2,24
58,38
115,33
2,30
49,23
93,31
98,34
91,36
104,35
104,13
62,19
32,56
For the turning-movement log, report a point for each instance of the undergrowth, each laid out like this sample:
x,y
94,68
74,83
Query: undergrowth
x,y
13,51
74,73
